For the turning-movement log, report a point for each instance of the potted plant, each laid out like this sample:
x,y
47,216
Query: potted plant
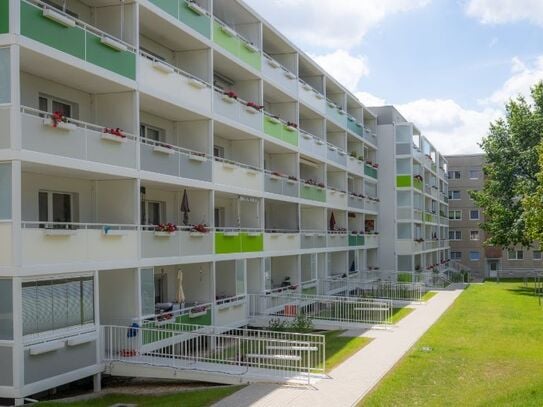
x,y
198,311
291,126
59,121
253,107
116,135
230,96
165,229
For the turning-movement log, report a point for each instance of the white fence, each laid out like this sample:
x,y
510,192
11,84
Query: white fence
x,y
374,289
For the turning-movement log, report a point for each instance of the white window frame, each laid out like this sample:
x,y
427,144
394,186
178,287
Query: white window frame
x,y
474,178
454,172
451,195
50,218
146,127
534,256
455,211
457,234
74,107
162,211
456,257
219,150
478,214
471,232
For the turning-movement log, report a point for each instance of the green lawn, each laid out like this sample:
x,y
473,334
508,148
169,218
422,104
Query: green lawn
x,y
339,348
189,398
487,350
429,295
400,313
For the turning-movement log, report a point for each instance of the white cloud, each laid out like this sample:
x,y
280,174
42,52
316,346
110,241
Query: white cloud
x,y
345,68
330,24
505,11
370,100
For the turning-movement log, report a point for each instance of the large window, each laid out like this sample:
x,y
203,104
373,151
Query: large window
x,y
53,104
453,174
455,214
59,207
55,304
153,212
151,132
474,174
474,235
537,254
455,235
456,255
454,195
474,256
515,254
474,214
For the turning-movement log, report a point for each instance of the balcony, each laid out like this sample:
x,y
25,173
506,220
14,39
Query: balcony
x,y
336,114
430,217
189,13
185,241
355,165
356,201
336,154
355,126
235,44
337,239
408,246
173,84
371,204
76,139
56,243
56,29
279,75
372,241
312,192
313,239
336,198
175,161
311,97
356,240
312,144
370,171
5,249
236,240
431,245
276,183
237,110
370,136
281,130
281,240
232,173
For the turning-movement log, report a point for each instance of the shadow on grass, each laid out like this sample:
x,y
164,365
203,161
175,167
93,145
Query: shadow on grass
x,y
526,291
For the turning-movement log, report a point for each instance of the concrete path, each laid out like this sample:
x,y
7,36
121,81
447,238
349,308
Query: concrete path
x,y
355,377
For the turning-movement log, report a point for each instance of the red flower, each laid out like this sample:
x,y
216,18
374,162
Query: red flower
x,y
291,124
166,227
255,106
116,132
57,117
231,94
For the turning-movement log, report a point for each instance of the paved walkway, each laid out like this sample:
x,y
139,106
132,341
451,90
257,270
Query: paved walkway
x,y
355,377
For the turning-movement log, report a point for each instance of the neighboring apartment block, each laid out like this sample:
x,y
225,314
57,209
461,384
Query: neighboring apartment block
x,y
180,156
465,234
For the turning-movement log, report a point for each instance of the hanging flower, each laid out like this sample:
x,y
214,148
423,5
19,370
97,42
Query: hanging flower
x,y
58,117
166,227
200,228
116,132
255,106
231,94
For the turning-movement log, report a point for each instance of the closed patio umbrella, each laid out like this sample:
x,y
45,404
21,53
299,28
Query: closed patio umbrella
x,y
180,294
185,208
332,222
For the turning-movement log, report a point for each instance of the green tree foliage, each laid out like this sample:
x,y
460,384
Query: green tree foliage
x,y
511,168
533,205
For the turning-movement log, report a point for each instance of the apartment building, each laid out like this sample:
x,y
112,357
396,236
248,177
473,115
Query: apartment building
x,y
466,237
413,194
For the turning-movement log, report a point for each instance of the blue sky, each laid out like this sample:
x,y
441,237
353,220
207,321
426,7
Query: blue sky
x,y
449,65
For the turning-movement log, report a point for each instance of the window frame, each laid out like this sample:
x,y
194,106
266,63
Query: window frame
x,y
516,251
473,252
474,170
451,195
478,214
455,172
74,107
455,211
471,235
536,258
161,132
453,257
50,205
146,211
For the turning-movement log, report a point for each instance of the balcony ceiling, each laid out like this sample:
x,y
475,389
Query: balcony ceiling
x,y
48,169
271,148
230,133
274,95
166,110
230,69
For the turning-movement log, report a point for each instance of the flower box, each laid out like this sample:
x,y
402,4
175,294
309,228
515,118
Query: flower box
x,y
228,166
198,158
228,99
46,347
290,128
358,124
196,83
275,177
342,153
228,31
58,17
231,234
332,148
291,181
253,234
307,136
60,232
274,120
251,110
331,104
113,138
163,150
163,67
196,234
290,75
196,8
307,86
319,141
197,314
352,158
250,171
250,47
60,125
113,44
309,234
341,111
273,63
318,95
164,234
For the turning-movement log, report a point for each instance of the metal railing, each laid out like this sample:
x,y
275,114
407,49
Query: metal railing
x,y
74,226
179,150
241,352
367,288
238,164
329,310
174,68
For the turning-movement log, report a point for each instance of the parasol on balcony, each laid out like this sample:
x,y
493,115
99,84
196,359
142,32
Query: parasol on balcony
x,y
185,208
332,222
180,294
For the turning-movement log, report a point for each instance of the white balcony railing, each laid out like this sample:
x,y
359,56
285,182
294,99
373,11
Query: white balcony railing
x,y
232,173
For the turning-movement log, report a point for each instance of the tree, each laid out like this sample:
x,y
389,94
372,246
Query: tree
x,y
533,205
510,169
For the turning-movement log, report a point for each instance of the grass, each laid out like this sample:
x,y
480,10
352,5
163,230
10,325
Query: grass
x,y
192,398
400,313
340,348
429,295
485,351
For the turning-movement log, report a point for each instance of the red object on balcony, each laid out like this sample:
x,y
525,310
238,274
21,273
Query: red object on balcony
x,y
291,310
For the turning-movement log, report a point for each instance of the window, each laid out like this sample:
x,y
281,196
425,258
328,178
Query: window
x,y
53,104
473,235
474,214
454,195
456,255
453,174
455,235
151,132
537,254
56,207
474,256
515,254
455,214
474,174
153,212
219,217
218,151
55,304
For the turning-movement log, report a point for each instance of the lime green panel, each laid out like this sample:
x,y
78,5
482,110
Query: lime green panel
x,y
252,243
289,136
4,16
417,184
403,181
35,26
227,244
201,23
201,320
231,44
252,58
169,6
272,129
121,62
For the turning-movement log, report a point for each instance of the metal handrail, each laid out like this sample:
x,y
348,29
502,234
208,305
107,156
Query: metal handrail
x,y
75,225
238,164
181,150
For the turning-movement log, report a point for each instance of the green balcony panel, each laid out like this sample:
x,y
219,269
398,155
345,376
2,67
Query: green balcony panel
x,y
313,193
229,43
200,320
227,244
252,242
403,181
199,22
289,136
272,129
309,291
253,58
427,217
355,127
417,183
169,6
4,16
370,171
353,241
37,27
361,240
121,62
